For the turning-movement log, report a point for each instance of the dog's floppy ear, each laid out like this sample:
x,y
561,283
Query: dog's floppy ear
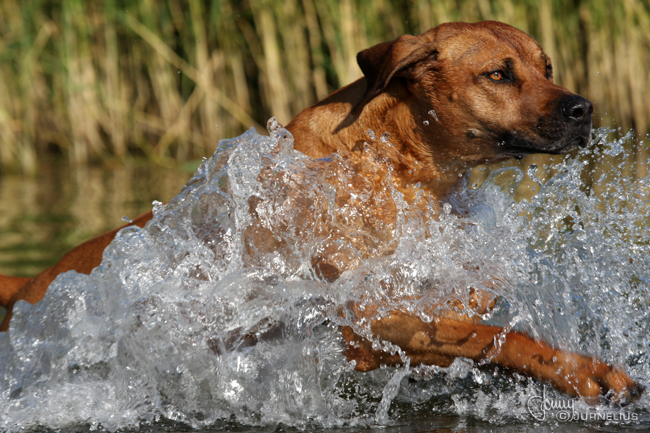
x,y
384,61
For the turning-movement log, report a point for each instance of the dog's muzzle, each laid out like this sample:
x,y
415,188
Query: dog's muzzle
x,y
566,128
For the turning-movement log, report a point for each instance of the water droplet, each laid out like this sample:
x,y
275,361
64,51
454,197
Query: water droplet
x,y
157,207
446,208
426,123
532,171
385,137
371,134
126,219
273,126
475,185
433,113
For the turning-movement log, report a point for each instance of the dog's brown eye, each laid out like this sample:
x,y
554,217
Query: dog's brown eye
x,y
496,75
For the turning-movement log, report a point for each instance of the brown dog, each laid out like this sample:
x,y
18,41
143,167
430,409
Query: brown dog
x,y
454,97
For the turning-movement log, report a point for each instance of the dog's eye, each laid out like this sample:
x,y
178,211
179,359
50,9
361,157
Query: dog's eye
x,y
549,72
497,75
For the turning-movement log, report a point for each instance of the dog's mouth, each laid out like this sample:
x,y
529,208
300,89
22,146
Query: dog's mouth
x,y
518,145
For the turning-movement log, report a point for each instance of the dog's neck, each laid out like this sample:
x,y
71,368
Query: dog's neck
x,y
391,124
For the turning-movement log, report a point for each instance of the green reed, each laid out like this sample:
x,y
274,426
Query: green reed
x,y
106,80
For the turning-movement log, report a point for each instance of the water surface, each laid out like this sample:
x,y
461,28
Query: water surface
x,y
43,217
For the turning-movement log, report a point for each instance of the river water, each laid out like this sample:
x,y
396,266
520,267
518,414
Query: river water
x,y
191,323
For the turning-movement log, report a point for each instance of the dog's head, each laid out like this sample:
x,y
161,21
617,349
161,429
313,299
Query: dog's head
x,y
486,88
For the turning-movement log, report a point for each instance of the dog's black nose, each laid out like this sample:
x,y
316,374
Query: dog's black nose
x,y
576,108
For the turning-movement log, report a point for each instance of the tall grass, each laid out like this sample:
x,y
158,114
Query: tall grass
x,y
104,80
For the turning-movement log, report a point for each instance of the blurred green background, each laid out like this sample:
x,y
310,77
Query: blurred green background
x,y
102,102
98,81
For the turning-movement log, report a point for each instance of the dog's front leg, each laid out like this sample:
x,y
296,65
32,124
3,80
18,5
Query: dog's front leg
x,y
441,340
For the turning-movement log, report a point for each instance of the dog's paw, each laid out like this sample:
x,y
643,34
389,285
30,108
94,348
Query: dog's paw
x,y
596,381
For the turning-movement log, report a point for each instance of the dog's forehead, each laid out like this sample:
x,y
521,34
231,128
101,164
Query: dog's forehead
x,y
486,40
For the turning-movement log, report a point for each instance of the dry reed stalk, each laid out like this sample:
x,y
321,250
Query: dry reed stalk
x,y
328,16
318,69
350,43
82,100
273,81
116,95
180,126
208,69
299,65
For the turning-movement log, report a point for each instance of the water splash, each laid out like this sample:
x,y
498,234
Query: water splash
x,y
214,311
